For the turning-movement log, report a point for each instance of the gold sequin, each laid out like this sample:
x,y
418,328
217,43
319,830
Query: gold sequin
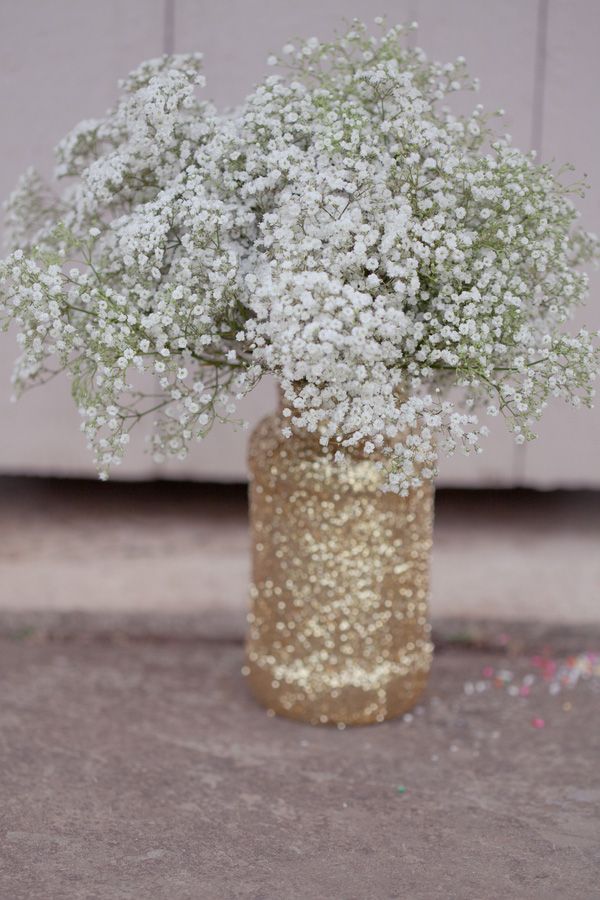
x,y
338,630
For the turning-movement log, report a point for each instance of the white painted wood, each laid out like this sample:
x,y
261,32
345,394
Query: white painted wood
x,y
567,452
59,63
498,41
236,37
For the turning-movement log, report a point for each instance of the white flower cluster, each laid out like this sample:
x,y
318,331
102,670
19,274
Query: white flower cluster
x,y
395,265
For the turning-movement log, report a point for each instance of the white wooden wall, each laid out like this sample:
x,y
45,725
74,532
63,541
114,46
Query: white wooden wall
x,y
59,62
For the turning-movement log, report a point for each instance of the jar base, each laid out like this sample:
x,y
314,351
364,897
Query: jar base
x,y
349,705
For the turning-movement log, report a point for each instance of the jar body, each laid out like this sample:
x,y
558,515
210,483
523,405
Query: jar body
x,y
338,628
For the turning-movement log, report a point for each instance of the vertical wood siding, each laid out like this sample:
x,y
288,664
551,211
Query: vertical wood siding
x,y
60,61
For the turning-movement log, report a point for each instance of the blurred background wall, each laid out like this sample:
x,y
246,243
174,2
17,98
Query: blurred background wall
x,y
60,61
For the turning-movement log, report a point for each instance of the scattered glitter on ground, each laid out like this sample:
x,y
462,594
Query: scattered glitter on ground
x,y
553,675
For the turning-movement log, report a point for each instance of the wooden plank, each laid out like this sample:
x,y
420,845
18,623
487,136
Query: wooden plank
x,y
60,63
498,41
236,37
567,452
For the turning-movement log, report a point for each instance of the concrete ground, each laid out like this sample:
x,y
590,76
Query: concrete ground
x,y
137,769
134,764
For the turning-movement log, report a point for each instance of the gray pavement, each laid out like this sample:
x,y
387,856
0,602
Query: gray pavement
x,y
135,765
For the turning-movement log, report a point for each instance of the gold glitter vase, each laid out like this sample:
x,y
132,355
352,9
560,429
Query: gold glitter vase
x,y
338,629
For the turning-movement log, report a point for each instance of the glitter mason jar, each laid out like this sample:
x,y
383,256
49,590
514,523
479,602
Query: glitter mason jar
x,y
338,628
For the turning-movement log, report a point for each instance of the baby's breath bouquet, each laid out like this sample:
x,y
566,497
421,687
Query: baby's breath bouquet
x,y
399,268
